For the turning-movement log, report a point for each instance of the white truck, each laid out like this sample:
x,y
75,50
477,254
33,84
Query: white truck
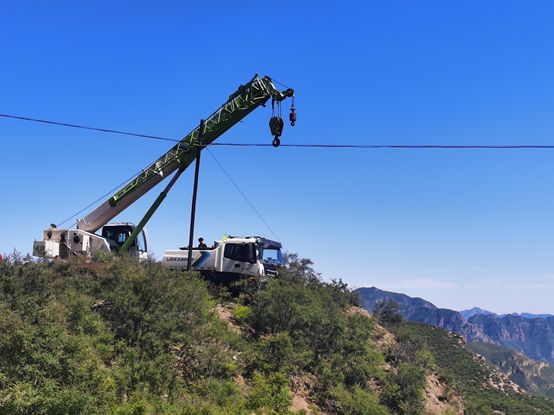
x,y
252,256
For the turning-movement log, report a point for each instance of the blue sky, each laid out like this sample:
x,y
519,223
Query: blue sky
x,y
459,228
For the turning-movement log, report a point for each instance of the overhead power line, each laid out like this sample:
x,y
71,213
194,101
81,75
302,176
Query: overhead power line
x,y
84,127
293,145
390,146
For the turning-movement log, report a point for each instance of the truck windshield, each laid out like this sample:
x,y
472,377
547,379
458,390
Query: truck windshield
x,y
272,256
117,234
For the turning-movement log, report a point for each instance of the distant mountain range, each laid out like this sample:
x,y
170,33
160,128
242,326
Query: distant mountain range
x,y
479,311
530,334
414,309
521,345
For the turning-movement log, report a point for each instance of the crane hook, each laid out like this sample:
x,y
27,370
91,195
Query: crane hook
x,y
276,125
292,115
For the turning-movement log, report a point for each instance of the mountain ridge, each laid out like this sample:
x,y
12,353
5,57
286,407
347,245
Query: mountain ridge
x,y
526,338
479,311
475,311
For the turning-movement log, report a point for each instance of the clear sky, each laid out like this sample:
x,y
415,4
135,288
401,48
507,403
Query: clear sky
x,y
458,228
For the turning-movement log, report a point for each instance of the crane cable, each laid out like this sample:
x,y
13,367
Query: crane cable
x,y
234,183
110,192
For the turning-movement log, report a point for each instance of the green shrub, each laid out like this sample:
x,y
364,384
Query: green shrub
x,y
269,394
242,313
357,401
403,393
387,312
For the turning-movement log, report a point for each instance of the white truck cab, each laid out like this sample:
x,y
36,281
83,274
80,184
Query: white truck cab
x,y
231,258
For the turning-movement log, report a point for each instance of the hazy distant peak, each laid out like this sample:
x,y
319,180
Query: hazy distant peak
x,y
370,295
528,315
476,311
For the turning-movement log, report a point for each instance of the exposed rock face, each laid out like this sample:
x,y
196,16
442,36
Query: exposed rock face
x,y
439,397
532,375
533,337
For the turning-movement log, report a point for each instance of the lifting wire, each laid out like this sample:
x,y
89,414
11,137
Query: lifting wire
x,y
96,201
101,197
234,183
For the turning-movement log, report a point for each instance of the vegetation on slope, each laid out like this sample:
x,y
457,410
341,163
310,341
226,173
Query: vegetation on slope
x,y
534,376
119,337
472,378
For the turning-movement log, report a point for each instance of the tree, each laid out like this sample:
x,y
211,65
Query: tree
x,y
387,312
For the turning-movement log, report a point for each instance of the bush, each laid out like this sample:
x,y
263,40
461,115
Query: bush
x,y
404,390
275,353
387,312
355,402
269,394
115,336
242,313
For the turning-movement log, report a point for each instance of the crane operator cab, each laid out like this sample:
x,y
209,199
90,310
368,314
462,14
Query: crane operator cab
x,y
60,243
117,234
230,259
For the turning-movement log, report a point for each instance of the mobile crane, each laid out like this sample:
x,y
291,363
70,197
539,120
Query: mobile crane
x,y
242,256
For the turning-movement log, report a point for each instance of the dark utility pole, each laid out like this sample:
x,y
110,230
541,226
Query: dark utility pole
x,y
194,192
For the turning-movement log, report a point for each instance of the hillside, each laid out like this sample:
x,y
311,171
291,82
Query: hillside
x,y
484,390
533,376
505,341
118,337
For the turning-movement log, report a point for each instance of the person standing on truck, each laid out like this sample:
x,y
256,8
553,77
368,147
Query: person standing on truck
x,y
201,243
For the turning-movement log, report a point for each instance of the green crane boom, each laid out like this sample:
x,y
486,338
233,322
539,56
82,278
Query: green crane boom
x,y
247,98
